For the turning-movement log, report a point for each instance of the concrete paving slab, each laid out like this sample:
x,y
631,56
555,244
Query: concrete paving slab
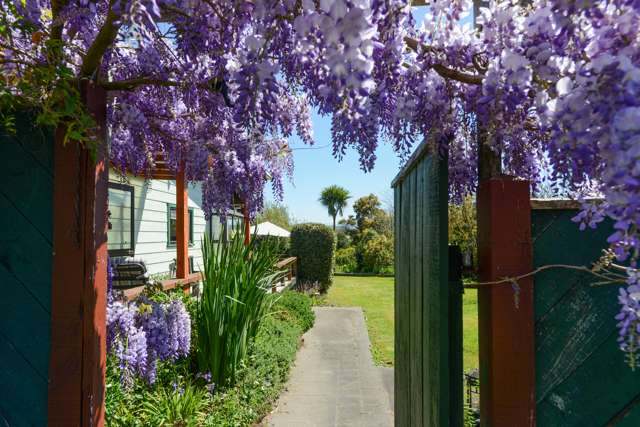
x,y
334,381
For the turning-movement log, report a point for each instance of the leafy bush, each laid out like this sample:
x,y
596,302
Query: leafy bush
x,y
343,240
299,307
263,377
236,279
346,260
314,245
377,253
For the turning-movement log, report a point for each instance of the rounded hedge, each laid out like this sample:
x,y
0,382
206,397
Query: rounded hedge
x,y
314,245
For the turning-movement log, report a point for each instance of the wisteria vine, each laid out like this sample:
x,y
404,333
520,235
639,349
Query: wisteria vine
x,y
218,86
141,333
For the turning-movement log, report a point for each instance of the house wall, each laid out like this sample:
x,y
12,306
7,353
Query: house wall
x,y
151,198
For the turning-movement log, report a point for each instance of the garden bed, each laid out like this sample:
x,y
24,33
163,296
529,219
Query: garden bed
x,y
181,396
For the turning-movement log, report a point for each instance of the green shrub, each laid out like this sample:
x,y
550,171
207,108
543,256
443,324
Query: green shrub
x,y
236,282
314,245
298,305
377,253
346,260
343,240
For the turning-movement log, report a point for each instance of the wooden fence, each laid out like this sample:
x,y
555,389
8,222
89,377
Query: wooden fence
x,y
548,350
581,375
53,253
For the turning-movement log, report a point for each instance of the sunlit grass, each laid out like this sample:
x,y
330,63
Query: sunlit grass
x,y
375,296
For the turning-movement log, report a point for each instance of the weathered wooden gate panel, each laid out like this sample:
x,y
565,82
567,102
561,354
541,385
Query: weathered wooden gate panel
x,y
581,376
428,376
26,185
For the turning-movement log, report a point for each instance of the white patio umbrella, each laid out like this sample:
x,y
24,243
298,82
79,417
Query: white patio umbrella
x,y
268,229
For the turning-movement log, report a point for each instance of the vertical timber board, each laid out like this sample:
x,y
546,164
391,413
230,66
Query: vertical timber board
x,y
405,301
422,297
78,289
456,400
435,295
420,252
26,187
576,331
415,307
401,377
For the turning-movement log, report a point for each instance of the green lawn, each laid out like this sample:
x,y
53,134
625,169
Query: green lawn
x,y
375,296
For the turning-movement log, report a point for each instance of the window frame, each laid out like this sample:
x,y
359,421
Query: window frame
x,y
191,211
124,252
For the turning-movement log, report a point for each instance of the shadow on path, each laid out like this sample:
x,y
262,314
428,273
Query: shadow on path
x,y
334,381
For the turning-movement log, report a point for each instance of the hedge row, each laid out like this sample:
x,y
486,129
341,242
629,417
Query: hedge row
x,y
315,246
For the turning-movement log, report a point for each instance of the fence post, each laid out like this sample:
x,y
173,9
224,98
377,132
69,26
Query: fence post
x,y
77,360
505,311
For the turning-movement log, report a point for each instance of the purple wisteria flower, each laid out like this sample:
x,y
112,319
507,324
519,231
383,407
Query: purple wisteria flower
x,y
629,318
142,333
219,87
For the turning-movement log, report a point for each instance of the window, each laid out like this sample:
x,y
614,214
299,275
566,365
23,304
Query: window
x,y
225,230
121,218
216,228
171,225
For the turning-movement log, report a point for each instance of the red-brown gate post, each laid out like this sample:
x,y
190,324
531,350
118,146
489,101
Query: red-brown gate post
x,y
505,312
77,360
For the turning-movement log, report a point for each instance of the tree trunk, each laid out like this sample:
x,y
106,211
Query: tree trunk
x,y
334,223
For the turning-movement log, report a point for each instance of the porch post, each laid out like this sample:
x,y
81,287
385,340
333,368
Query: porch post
x,y
505,313
247,225
182,226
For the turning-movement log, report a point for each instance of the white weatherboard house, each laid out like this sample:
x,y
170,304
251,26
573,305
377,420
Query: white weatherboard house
x,y
143,222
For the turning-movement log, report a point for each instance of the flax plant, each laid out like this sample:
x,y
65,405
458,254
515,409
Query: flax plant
x,y
237,279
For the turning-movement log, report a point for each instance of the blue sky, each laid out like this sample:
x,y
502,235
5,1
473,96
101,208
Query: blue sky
x,y
316,169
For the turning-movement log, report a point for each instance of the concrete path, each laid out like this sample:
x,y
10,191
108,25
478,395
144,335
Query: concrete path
x,y
334,381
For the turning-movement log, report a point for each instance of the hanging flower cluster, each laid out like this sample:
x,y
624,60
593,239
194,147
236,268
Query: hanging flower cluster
x,y
141,333
218,86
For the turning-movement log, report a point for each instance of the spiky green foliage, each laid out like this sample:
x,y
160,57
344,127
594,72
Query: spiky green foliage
x,y
237,280
175,407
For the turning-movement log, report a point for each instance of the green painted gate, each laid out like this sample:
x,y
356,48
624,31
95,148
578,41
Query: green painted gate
x,y
428,319
26,188
581,376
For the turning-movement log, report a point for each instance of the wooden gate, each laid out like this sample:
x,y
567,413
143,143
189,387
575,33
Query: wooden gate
x,y
581,375
428,319
26,235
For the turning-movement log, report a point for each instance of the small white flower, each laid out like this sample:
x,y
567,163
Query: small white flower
x,y
564,86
